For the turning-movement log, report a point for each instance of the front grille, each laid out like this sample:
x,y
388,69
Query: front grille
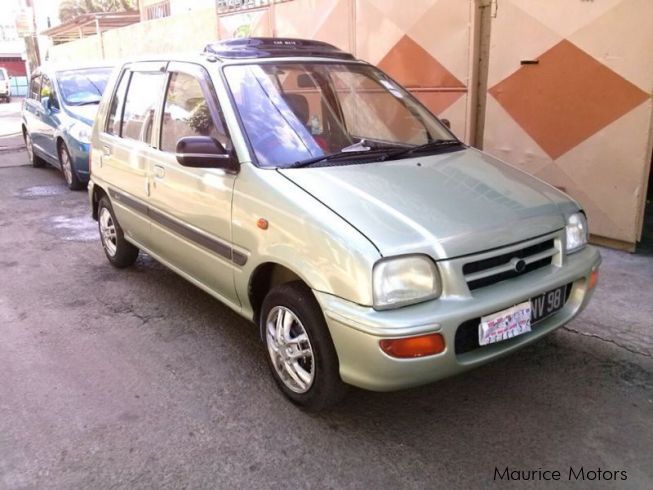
x,y
466,339
485,272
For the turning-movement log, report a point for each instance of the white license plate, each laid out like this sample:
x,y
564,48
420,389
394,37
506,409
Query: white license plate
x,y
505,324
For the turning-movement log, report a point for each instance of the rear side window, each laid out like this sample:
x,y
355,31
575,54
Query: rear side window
x,y
143,96
186,113
113,123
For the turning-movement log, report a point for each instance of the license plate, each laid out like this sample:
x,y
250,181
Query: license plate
x,y
547,303
518,319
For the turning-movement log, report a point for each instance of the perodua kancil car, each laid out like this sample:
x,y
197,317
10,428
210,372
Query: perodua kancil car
x,y
315,196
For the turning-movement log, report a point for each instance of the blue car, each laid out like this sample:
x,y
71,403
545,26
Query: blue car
x,y
58,115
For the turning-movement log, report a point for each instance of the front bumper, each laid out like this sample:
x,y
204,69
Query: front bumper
x,y
356,330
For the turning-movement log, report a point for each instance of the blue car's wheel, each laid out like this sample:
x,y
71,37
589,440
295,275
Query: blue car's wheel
x,y
67,168
33,159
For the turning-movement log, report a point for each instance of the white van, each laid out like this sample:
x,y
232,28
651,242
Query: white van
x,y
5,87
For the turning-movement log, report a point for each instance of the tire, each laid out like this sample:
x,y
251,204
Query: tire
x,y
36,161
67,169
119,251
325,388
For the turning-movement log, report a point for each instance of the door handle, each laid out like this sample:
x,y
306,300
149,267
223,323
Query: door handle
x,y
106,151
159,172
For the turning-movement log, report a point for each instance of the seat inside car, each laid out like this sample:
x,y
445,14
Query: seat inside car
x,y
299,105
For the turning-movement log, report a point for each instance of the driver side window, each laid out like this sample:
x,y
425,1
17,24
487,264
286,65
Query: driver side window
x,y
47,92
187,113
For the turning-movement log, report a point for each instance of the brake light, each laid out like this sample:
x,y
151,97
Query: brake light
x,y
420,346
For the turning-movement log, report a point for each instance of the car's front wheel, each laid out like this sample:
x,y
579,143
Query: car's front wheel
x,y
74,184
301,354
119,251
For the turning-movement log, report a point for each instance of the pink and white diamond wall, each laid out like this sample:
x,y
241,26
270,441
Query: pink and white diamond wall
x,y
578,116
581,117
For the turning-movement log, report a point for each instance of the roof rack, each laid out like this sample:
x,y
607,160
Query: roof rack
x,y
266,47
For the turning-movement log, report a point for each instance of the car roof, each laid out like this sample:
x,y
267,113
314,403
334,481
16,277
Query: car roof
x,y
246,50
271,47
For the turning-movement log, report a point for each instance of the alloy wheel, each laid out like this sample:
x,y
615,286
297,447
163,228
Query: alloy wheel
x,y
29,148
66,166
290,349
108,232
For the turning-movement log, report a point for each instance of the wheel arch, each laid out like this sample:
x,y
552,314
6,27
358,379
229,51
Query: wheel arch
x,y
266,276
98,193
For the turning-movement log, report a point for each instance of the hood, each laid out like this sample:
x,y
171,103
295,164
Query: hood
x,y
443,205
83,113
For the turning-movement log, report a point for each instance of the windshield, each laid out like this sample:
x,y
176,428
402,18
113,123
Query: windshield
x,y
81,87
292,112
2,74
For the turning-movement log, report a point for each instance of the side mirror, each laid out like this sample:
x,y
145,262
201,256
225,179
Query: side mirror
x,y
205,152
446,122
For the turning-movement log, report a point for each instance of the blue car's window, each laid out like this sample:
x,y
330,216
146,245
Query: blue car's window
x,y
83,87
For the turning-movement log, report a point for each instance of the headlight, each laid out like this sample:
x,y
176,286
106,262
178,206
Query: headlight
x,y
577,232
401,281
81,132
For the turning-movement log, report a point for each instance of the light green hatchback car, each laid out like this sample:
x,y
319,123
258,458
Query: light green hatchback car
x,y
315,196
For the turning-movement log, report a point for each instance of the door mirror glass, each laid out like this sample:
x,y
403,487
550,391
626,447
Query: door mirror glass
x,y
205,152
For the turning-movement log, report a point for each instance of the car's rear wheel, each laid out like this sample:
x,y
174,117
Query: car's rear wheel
x,y
74,184
29,146
119,251
301,355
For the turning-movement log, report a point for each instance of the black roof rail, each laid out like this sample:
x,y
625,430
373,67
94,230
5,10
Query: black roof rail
x,y
266,47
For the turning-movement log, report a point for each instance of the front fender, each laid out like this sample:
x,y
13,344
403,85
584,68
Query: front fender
x,y
303,235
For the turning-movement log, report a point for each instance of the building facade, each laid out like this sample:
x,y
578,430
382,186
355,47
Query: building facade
x,y
560,89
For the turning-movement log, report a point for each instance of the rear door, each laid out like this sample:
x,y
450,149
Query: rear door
x,y
191,207
126,145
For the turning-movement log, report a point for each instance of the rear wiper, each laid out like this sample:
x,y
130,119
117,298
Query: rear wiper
x,y
431,145
342,154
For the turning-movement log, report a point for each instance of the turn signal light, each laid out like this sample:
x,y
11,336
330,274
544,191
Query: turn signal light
x,y
594,278
423,345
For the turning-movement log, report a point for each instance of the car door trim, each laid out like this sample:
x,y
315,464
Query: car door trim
x,y
192,234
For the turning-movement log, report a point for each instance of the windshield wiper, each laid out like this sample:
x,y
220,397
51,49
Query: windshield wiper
x,y
342,154
87,102
431,145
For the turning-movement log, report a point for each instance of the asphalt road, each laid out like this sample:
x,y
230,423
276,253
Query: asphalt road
x,y
137,379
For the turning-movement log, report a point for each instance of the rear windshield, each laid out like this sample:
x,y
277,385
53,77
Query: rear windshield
x,y
83,87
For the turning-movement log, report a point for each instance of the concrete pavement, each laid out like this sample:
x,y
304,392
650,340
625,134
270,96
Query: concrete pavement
x,y
136,379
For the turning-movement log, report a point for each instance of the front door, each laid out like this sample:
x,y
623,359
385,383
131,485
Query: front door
x,y
190,208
